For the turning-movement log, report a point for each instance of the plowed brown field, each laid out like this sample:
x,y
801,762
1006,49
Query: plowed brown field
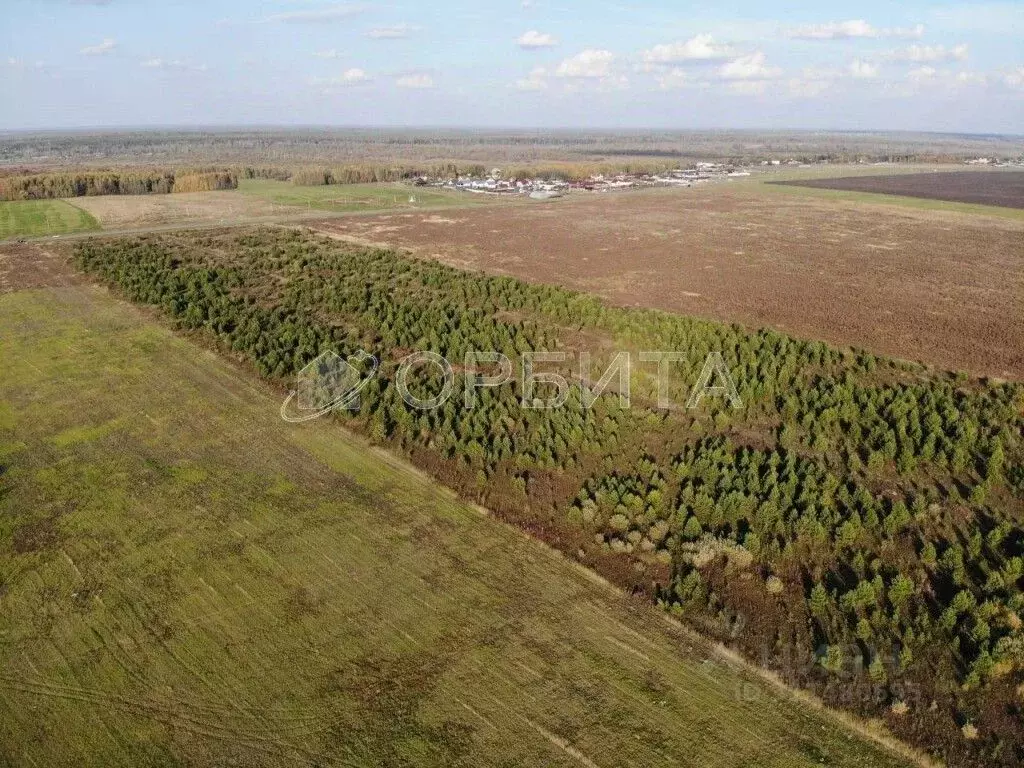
x,y
942,287
1003,188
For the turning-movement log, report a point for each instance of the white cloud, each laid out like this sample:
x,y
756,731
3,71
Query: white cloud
x,y
350,77
415,80
749,67
920,54
396,32
335,12
331,54
945,79
974,78
814,81
863,70
1014,78
534,39
178,64
354,76
106,46
675,77
854,28
920,74
588,64
699,48
535,81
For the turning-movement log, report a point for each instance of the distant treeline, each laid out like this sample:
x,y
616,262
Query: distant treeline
x,y
205,182
44,186
87,184
581,171
741,156
276,174
367,173
330,147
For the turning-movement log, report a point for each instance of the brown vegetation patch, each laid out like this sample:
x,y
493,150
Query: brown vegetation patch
x,y
35,536
136,211
29,265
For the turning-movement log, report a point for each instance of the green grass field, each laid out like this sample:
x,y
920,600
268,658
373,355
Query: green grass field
x,y
348,198
35,218
186,579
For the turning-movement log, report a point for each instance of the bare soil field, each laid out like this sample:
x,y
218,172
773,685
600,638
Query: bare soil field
x,y
1003,188
945,288
30,265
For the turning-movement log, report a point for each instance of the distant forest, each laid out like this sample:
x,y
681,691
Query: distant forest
x,y
299,147
54,165
49,186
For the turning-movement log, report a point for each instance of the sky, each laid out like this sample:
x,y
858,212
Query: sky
x,y
869,65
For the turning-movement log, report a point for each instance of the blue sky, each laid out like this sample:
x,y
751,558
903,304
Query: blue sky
x,y
514,63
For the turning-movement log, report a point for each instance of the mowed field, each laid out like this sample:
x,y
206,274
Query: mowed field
x,y
998,188
187,580
940,286
35,218
354,198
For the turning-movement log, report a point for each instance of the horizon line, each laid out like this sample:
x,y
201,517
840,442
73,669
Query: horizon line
x,y
340,127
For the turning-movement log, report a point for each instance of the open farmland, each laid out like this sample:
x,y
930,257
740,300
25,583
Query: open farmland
x,y
845,519
35,218
998,188
187,580
943,287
